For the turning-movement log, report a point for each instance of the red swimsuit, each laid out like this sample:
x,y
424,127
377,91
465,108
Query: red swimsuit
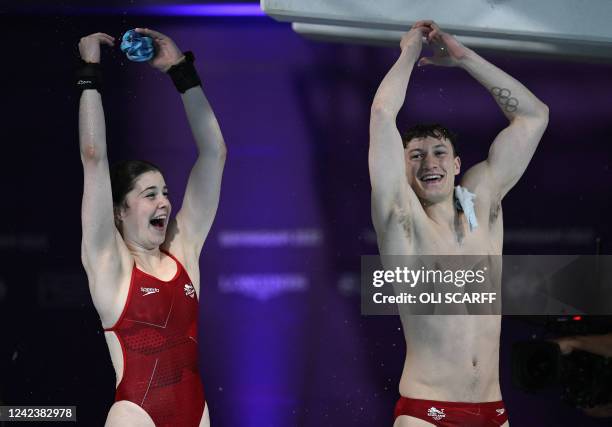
x,y
157,332
453,414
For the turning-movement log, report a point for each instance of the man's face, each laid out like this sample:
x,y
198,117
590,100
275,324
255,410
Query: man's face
x,y
431,168
145,220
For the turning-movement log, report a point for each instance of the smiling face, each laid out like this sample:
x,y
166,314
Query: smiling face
x,y
143,217
431,166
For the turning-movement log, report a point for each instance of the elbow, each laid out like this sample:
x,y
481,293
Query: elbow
x,y
380,112
543,112
211,144
222,151
215,152
542,116
83,254
219,153
540,112
538,115
89,152
223,155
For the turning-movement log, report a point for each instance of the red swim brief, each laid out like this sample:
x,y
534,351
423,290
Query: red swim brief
x,y
453,414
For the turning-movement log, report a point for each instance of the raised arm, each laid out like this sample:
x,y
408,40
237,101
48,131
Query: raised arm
x,y
513,148
204,186
386,155
100,243
194,220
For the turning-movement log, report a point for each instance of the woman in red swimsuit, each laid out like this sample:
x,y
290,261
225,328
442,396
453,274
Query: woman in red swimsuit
x,y
143,264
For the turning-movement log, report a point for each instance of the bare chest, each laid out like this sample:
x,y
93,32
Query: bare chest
x,y
430,240
425,238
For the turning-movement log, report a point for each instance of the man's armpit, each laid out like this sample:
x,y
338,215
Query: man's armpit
x,y
494,212
402,216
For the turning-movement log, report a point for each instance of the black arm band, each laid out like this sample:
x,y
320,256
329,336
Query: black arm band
x,y
88,76
184,75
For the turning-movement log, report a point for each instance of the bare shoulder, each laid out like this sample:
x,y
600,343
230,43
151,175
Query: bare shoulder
x,y
477,179
178,245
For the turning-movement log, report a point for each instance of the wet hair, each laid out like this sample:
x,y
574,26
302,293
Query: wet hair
x,y
123,176
434,130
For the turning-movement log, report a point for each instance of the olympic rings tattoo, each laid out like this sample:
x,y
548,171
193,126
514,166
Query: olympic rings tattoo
x,y
509,103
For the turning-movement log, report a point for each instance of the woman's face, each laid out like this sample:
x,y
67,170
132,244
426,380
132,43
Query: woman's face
x,y
145,218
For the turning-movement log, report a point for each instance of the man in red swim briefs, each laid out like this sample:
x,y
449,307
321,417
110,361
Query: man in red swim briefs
x,y
451,370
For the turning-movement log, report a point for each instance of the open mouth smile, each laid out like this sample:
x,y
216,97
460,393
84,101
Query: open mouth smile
x,y
431,178
159,222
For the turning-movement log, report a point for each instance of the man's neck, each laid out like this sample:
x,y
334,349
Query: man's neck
x,y
443,213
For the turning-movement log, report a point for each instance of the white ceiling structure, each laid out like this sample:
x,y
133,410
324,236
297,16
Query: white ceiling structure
x,y
564,28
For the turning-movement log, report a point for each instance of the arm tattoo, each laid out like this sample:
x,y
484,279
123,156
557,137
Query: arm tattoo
x,y
507,102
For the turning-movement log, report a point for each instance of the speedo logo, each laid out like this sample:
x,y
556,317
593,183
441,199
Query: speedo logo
x,y
148,291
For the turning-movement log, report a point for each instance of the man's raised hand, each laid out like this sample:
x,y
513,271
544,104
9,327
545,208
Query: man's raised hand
x,y
415,36
448,51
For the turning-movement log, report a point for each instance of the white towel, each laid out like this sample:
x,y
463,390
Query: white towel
x,y
464,202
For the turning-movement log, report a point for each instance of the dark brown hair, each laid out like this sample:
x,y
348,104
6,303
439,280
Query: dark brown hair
x,y
433,130
123,176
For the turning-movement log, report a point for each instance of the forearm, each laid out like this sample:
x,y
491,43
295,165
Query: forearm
x,y
596,344
514,99
92,130
391,93
203,123
386,151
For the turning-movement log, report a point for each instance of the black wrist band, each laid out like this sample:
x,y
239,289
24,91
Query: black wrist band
x,y
88,76
184,75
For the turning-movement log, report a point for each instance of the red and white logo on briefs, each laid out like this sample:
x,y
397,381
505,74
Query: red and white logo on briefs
x,y
189,290
436,414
